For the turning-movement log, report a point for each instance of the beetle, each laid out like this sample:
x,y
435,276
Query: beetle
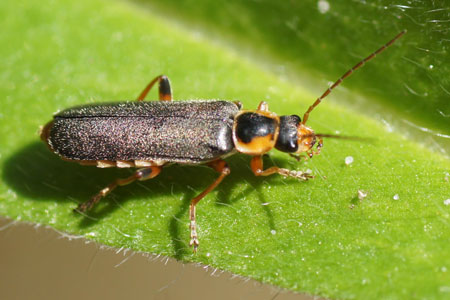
x,y
151,135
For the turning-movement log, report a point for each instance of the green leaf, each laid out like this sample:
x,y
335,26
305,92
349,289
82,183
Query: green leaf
x,y
316,236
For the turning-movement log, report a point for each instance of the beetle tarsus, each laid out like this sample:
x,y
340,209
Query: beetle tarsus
x,y
85,206
295,174
298,157
256,165
194,237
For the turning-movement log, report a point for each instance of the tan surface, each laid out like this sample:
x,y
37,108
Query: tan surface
x,y
38,263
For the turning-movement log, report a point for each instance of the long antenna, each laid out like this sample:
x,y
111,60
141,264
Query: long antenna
x,y
348,73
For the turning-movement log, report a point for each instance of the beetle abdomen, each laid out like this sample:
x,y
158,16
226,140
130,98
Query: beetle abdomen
x,y
180,131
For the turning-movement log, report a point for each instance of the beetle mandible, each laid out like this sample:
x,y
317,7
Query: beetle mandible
x,y
150,135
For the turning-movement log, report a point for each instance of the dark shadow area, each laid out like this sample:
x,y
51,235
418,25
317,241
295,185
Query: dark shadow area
x,y
354,202
180,247
241,172
36,173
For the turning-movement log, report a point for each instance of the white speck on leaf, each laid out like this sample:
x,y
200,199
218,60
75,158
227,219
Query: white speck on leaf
x,y
323,6
396,197
349,160
361,195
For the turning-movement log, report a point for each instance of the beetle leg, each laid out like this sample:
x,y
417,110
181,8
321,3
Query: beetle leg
x,y
165,91
298,157
141,174
263,106
221,167
256,165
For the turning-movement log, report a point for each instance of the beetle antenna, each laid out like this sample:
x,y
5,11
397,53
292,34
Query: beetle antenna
x,y
344,137
348,73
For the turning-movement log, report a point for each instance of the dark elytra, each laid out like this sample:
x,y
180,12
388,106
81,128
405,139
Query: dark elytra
x,y
176,131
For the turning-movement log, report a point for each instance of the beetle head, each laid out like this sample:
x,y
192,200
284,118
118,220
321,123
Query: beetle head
x,y
307,139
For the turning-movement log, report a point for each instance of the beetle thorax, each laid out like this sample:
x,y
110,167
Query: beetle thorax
x,y
255,132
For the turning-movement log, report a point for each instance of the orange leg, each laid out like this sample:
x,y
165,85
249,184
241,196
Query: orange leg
x,y
221,167
298,157
141,175
263,106
256,165
165,91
